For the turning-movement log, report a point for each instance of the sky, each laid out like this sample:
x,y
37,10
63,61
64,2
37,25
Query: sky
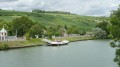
x,y
81,7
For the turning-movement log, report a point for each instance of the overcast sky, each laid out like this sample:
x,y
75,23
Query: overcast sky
x,y
81,7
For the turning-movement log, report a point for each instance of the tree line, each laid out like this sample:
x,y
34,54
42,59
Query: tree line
x,y
43,11
23,26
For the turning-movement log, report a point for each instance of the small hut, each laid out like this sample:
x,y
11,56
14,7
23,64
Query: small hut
x,y
3,34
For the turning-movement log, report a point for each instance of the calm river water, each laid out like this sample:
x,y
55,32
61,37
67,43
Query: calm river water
x,y
91,53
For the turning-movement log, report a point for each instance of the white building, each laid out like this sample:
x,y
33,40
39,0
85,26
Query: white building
x,y
4,35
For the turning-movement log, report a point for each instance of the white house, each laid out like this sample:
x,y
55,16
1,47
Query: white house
x,y
4,35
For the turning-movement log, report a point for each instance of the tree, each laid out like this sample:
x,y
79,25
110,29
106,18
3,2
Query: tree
x,y
84,32
36,29
66,27
7,26
73,30
56,30
27,36
99,33
104,26
38,11
115,33
22,25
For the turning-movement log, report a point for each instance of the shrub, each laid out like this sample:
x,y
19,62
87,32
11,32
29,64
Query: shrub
x,y
99,33
4,46
27,36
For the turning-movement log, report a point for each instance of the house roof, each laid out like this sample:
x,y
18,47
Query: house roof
x,y
3,30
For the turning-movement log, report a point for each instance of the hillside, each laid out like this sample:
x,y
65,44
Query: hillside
x,y
51,18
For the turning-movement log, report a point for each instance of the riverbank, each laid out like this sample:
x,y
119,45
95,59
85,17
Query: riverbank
x,y
74,39
37,42
20,44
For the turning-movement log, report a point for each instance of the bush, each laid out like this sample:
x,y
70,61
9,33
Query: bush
x,y
4,46
27,36
99,33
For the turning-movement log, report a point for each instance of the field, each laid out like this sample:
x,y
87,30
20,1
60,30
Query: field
x,y
52,19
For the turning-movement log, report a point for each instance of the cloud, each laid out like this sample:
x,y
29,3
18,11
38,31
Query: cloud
x,y
81,7
7,0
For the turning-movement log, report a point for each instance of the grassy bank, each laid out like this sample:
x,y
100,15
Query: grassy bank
x,y
20,44
73,39
37,42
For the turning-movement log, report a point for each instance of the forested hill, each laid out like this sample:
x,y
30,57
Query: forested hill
x,y
52,18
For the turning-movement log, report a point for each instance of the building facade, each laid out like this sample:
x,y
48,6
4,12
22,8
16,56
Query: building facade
x,y
4,35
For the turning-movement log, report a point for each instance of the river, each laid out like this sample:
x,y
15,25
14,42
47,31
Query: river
x,y
91,53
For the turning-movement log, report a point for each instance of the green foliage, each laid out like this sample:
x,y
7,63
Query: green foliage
x,y
59,21
115,23
66,27
56,30
84,32
43,11
49,34
112,44
38,11
104,26
22,25
114,28
4,46
73,30
99,33
36,29
117,58
27,36
7,26
54,18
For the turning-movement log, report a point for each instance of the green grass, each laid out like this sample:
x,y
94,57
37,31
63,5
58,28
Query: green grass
x,y
23,43
52,19
79,38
